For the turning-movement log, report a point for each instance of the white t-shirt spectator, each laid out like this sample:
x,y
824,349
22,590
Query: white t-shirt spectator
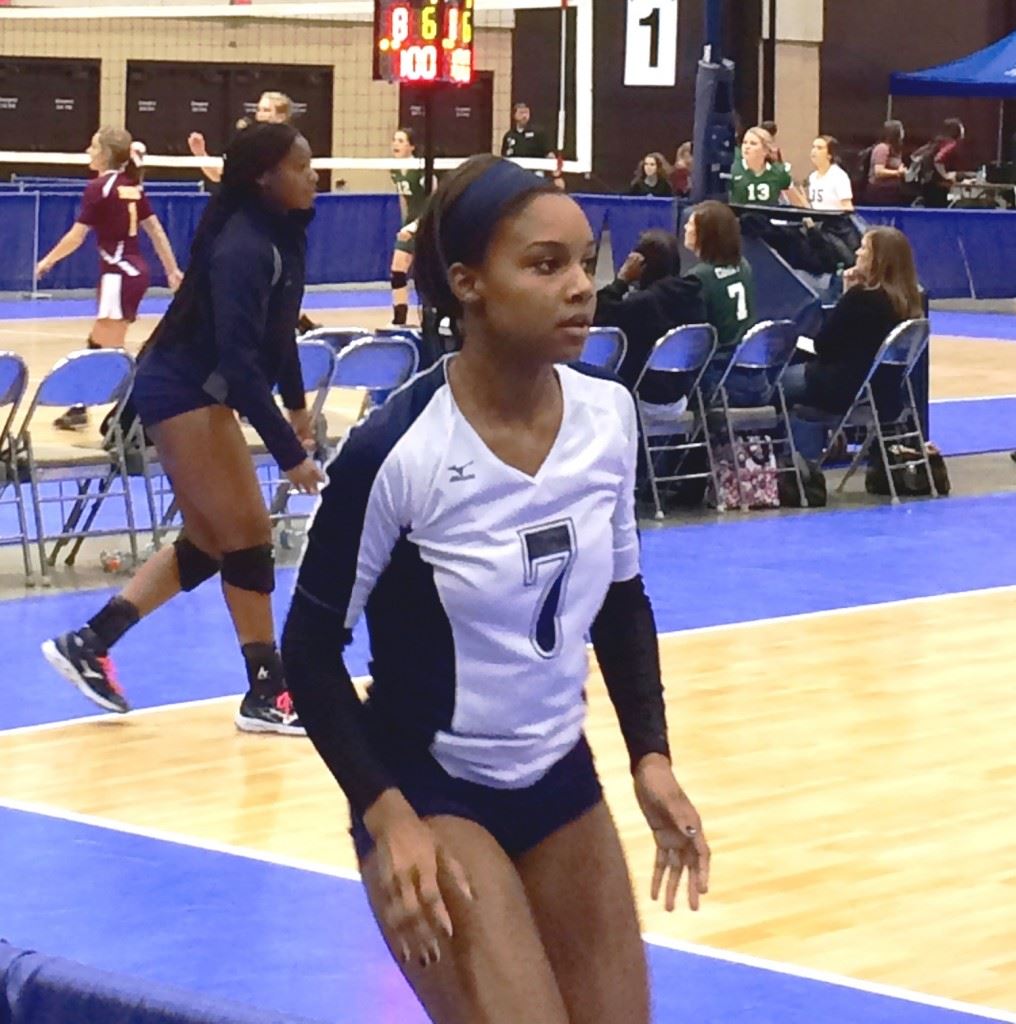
x,y
827,191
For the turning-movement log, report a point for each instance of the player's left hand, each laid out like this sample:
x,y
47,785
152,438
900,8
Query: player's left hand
x,y
174,278
41,268
303,426
677,828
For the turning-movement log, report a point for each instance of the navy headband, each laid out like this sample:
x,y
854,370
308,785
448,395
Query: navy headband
x,y
483,203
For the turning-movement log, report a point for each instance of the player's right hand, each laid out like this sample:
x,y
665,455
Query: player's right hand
x,y
196,142
307,477
413,871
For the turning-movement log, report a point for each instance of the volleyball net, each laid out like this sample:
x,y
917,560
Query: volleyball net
x,y
173,73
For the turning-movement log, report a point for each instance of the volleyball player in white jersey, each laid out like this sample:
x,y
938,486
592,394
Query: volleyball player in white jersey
x,y
484,521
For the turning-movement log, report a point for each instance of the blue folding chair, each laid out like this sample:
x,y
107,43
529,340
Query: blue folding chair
x,y
337,337
379,366
13,382
885,405
605,347
683,354
763,356
98,378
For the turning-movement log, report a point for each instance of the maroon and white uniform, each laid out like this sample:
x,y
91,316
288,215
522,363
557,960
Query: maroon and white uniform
x,y
113,206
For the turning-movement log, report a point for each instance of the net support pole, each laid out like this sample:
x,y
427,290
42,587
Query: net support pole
x,y
1001,130
35,246
562,114
428,139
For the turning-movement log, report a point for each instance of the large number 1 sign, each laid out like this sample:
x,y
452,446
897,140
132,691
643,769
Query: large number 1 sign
x,y
650,55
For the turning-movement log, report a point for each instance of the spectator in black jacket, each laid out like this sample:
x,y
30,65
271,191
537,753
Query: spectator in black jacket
x,y
227,339
662,301
652,177
882,292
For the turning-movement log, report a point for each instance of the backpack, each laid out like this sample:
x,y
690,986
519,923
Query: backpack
x,y
922,169
862,173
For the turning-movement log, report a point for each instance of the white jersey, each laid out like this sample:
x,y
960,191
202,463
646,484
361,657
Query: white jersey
x,y
480,583
826,191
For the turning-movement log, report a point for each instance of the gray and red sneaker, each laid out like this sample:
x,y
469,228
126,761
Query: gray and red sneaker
x,y
76,656
269,714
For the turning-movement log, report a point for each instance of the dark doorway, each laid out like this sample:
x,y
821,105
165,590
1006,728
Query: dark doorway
x,y
463,116
166,101
48,104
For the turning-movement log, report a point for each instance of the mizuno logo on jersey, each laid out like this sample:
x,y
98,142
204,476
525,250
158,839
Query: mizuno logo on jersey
x,y
458,473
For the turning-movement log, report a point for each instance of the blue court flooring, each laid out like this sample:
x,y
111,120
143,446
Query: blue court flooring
x,y
711,574
297,941
301,941
974,425
59,308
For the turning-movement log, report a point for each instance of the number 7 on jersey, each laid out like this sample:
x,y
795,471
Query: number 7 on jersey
x,y
547,555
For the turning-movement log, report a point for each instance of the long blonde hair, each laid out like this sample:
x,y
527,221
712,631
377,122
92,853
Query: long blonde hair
x,y
893,270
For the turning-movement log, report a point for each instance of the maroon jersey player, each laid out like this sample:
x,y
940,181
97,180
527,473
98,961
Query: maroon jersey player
x,y
114,206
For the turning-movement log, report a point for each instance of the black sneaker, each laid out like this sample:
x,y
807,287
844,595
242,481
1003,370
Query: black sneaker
x,y
76,657
75,418
269,714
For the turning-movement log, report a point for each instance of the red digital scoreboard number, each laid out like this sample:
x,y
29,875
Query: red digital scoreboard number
x,y
420,41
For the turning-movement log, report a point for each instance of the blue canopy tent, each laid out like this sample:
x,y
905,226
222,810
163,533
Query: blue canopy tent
x,y
989,73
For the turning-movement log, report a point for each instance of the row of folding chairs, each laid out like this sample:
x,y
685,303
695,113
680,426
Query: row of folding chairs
x,y
884,409
75,475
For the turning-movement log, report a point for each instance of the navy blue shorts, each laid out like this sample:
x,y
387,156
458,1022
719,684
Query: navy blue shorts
x,y
519,819
162,390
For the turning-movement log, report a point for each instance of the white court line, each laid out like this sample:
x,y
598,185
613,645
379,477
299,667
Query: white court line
x,y
975,398
179,839
114,716
821,613
830,978
662,941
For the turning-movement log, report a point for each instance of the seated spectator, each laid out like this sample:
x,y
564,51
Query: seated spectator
x,y
648,299
760,179
652,177
935,193
829,185
680,176
713,234
886,171
882,292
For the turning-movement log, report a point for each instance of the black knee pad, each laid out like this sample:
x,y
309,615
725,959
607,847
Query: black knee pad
x,y
250,569
194,565
400,279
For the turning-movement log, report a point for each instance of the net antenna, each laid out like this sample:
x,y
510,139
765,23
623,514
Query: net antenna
x,y
331,11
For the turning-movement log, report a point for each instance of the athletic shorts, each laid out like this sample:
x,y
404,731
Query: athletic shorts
x,y
120,295
409,246
162,390
518,819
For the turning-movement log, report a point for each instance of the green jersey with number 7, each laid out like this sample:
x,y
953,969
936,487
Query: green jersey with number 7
x,y
729,294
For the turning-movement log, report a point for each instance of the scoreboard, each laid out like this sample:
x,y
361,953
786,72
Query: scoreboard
x,y
420,41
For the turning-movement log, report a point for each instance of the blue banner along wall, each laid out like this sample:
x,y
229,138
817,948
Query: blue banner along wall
x,y
960,253
17,242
